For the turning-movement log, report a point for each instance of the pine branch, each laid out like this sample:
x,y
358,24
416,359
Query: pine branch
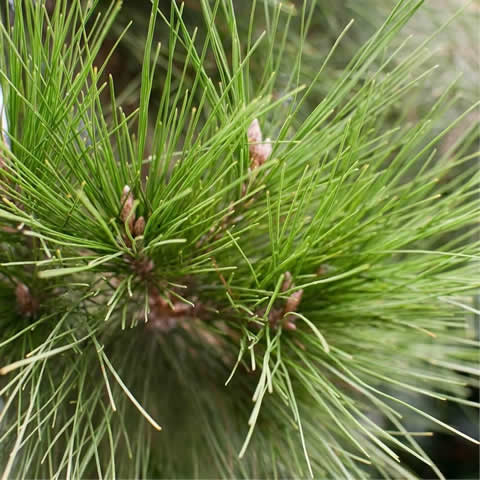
x,y
261,275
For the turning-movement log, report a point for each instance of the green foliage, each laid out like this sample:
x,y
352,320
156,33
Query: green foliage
x,y
267,313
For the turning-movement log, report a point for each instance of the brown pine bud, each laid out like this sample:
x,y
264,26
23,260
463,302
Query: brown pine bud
x,y
127,205
290,325
258,149
139,227
293,301
26,304
287,281
259,154
254,133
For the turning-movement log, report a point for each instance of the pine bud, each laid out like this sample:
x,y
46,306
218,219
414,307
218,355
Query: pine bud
x,y
259,155
290,325
293,301
127,205
259,150
287,281
139,227
254,133
26,304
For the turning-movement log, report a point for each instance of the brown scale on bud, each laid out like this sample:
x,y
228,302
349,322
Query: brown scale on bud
x,y
260,154
293,301
127,206
142,266
27,305
292,304
165,315
139,227
259,150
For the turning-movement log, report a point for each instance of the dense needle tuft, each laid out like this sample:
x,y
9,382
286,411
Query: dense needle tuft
x,y
181,297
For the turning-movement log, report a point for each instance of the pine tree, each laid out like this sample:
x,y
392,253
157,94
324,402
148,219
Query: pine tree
x,y
240,265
